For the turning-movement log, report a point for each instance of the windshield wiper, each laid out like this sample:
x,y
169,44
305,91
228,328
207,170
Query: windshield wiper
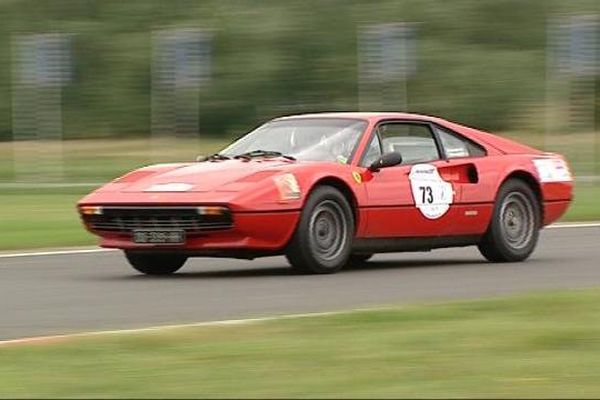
x,y
263,153
212,157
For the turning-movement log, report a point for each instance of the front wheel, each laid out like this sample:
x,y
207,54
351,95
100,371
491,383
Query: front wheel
x,y
514,230
155,263
323,238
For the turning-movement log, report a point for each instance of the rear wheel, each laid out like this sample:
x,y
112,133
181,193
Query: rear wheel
x,y
323,237
514,230
155,263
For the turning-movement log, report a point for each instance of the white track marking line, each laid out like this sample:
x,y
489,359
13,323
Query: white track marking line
x,y
54,253
561,225
569,225
228,322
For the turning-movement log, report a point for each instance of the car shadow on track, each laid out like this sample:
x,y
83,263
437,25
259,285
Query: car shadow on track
x,y
403,264
280,271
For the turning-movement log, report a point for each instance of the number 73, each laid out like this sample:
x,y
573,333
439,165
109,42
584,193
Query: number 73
x,y
426,194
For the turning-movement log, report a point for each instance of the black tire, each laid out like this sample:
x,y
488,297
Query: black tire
x,y
359,258
155,263
514,230
322,241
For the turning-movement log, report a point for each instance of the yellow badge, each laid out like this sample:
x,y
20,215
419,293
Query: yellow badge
x,y
357,176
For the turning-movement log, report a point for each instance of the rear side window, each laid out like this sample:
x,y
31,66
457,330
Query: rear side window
x,y
456,146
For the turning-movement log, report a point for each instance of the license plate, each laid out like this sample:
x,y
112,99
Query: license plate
x,y
159,237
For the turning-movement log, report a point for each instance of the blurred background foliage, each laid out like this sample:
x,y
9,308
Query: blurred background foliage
x,y
479,62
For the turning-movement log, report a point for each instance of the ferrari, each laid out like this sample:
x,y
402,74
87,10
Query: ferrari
x,y
331,189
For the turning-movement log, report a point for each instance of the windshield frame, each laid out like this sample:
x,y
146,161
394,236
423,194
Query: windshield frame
x,y
352,155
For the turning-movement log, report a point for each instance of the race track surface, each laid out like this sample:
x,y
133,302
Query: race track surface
x,y
54,294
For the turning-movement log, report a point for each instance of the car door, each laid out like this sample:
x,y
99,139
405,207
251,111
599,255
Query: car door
x,y
464,165
410,199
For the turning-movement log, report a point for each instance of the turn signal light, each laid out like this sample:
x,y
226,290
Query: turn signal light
x,y
211,210
91,210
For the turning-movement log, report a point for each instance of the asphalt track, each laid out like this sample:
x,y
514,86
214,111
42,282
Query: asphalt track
x,y
64,293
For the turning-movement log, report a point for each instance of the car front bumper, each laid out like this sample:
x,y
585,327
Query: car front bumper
x,y
251,232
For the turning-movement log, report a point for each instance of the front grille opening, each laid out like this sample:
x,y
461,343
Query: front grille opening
x,y
126,220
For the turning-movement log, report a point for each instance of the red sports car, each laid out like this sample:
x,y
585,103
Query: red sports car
x,y
331,189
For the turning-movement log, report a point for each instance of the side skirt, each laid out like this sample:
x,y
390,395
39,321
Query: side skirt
x,y
392,245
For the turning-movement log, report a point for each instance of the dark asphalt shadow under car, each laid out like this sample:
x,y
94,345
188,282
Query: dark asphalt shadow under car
x,y
191,272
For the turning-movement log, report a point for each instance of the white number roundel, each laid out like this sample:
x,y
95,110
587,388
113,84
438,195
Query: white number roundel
x,y
431,193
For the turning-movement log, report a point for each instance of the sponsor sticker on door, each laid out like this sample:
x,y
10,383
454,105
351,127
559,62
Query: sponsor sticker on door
x,y
432,194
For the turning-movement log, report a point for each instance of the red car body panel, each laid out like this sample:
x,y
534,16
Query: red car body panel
x,y
383,202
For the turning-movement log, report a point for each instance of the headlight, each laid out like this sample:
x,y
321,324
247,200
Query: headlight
x,y
288,187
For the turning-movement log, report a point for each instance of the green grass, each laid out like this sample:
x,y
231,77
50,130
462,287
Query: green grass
x,y
41,218
38,217
34,218
94,160
544,345
586,205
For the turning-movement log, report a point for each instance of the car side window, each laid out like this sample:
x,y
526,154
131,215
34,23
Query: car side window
x,y
415,142
456,146
373,152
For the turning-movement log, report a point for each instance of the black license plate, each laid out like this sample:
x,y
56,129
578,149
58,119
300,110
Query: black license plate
x,y
159,237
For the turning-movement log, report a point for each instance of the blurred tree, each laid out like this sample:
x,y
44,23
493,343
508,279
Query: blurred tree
x,y
479,61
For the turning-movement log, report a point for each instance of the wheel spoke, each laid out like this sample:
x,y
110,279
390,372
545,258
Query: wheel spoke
x,y
517,221
328,230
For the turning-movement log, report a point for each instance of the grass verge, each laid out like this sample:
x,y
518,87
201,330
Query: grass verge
x,y
585,205
46,217
543,345
94,160
35,218
41,218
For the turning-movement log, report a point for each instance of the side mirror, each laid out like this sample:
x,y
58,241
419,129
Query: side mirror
x,y
386,160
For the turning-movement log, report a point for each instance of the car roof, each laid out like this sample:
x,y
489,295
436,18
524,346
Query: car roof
x,y
367,116
499,143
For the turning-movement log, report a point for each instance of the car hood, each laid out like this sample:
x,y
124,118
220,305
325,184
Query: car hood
x,y
229,175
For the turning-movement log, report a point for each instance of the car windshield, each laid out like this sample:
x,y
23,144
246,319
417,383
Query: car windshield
x,y
309,139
